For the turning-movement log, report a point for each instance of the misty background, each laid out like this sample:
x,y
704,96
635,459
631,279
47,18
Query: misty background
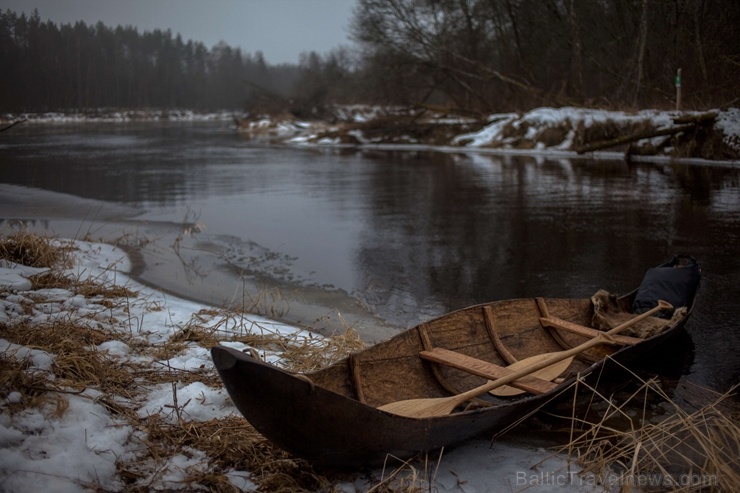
x,y
477,56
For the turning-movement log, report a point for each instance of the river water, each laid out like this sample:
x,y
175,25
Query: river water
x,y
379,239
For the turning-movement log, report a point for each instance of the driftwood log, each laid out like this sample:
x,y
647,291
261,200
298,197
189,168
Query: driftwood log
x,y
8,127
684,123
696,119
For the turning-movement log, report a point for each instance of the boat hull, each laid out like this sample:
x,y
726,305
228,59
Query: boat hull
x,y
330,430
331,417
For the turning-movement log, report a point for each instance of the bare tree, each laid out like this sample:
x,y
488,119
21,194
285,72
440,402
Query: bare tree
x,y
642,44
576,61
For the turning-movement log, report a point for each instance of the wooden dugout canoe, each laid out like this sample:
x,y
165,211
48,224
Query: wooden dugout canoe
x,y
330,417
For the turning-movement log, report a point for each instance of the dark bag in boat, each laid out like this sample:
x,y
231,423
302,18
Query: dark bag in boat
x,y
675,282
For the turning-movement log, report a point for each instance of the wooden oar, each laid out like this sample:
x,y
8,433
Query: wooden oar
x,y
548,373
553,371
442,406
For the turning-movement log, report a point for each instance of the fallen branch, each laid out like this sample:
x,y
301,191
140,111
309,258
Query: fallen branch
x,y
12,125
697,119
595,146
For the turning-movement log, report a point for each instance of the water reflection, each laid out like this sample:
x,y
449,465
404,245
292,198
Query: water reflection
x,y
414,234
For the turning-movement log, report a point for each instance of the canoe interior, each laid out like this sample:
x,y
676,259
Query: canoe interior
x,y
393,371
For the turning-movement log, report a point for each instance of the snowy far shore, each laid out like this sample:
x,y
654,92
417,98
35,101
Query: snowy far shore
x,y
559,132
651,135
107,115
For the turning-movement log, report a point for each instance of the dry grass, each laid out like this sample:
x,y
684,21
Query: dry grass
x,y
230,443
77,366
33,386
33,250
89,288
685,451
299,352
268,302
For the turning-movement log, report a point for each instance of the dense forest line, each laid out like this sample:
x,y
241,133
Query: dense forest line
x,y
481,56
49,67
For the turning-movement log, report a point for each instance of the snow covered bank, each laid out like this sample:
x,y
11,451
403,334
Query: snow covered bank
x,y
561,131
119,115
557,130
107,384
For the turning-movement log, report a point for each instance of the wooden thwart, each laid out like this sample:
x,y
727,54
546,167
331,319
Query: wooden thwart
x,y
485,369
441,406
559,323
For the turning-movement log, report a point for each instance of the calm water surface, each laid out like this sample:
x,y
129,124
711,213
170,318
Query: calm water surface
x,y
409,235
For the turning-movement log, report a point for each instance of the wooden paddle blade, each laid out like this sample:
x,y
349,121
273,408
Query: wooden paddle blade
x,y
548,373
422,408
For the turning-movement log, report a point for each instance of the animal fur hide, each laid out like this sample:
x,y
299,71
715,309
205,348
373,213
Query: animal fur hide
x,y
608,314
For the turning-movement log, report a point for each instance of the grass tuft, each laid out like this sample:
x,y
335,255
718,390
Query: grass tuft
x,y
33,250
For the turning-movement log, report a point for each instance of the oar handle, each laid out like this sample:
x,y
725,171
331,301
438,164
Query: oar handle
x,y
601,338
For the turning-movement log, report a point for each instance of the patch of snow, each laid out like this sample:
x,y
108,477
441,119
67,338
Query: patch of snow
x,y
39,360
115,116
43,452
14,277
487,135
729,122
194,402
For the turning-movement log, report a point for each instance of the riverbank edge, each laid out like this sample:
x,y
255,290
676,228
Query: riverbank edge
x,y
710,137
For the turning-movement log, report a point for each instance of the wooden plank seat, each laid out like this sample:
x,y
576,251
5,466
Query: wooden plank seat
x,y
558,323
485,369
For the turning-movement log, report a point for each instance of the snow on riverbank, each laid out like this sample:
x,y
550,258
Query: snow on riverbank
x,y
118,115
561,131
58,435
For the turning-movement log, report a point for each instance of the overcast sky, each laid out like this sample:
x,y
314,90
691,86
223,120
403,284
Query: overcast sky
x,y
281,29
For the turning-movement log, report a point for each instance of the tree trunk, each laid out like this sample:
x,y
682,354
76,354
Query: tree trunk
x,y
641,51
576,64
698,43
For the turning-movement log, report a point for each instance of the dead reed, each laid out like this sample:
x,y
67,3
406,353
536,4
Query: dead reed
x,y
77,366
89,288
25,248
410,476
299,351
232,443
23,387
695,450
